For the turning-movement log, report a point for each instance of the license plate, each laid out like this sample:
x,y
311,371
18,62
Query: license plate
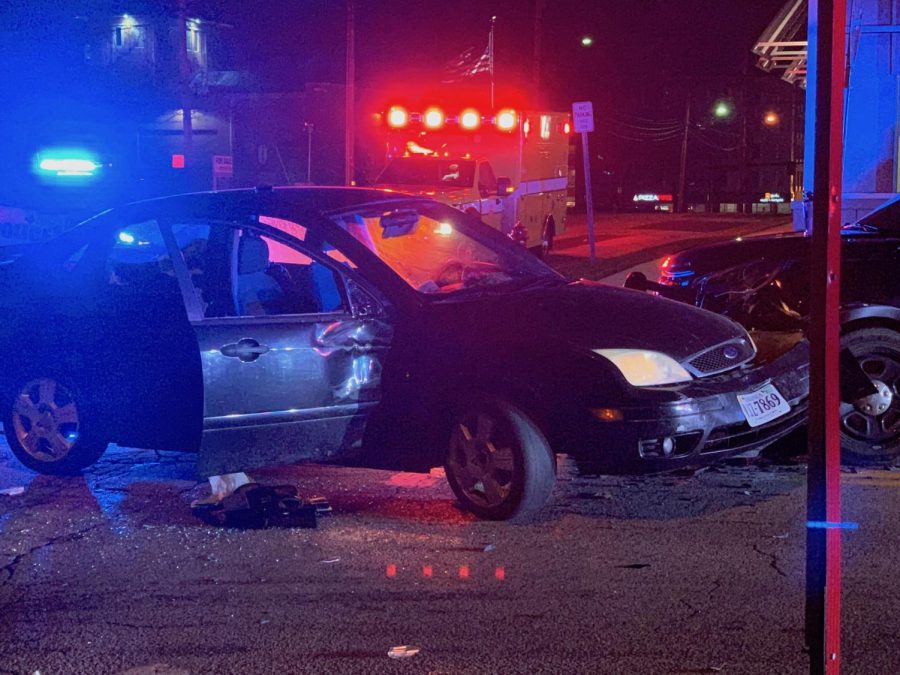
x,y
763,405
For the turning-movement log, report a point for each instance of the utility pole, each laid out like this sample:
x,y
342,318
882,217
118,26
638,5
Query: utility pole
x,y
184,73
536,57
684,149
309,132
827,23
349,98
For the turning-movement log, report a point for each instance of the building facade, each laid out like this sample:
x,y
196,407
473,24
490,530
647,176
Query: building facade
x,y
872,97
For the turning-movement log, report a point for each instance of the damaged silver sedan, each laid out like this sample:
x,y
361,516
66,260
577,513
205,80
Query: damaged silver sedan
x,y
261,327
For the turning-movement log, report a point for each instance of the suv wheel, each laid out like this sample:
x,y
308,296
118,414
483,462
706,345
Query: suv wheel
x,y
870,426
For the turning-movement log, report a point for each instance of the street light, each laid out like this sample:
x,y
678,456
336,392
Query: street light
x,y
587,40
723,109
771,119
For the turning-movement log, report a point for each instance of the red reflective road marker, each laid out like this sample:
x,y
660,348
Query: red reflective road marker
x,y
391,570
463,571
500,574
427,571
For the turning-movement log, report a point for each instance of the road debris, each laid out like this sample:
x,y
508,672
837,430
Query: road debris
x,y
403,651
330,561
634,566
13,491
255,506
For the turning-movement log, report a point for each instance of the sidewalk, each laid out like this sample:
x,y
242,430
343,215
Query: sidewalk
x,y
626,240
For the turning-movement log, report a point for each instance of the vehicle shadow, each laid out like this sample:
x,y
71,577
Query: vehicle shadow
x,y
139,488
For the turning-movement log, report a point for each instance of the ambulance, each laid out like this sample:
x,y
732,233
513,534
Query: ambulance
x,y
509,167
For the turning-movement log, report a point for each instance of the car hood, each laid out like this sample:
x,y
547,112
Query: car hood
x,y
723,255
592,315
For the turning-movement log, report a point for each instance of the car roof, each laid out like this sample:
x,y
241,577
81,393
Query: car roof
x,y
319,198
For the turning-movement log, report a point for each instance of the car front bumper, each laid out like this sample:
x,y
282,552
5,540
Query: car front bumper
x,y
705,423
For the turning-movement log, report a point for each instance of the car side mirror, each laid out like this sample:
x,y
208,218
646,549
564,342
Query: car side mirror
x,y
504,186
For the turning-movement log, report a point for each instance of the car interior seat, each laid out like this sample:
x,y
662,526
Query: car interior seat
x,y
256,291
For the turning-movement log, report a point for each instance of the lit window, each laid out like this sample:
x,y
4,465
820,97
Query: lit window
x,y
545,127
193,39
127,35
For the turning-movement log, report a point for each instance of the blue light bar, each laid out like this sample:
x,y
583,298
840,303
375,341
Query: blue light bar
x,y
69,167
65,163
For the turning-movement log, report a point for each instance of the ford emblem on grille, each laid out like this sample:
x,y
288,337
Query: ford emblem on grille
x,y
731,352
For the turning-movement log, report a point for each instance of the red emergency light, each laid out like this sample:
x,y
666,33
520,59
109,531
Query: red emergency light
x,y
469,119
397,117
506,120
433,118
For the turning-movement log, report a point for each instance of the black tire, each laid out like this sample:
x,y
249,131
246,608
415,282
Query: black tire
x,y
49,426
870,429
498,463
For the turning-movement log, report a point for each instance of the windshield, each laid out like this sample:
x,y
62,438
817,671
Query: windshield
x,y
429,171
884,218
439,251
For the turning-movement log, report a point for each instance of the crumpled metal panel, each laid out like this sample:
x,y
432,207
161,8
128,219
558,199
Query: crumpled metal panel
x,y
306,396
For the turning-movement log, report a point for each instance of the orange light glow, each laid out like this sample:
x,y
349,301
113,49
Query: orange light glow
x,y
398,117
469,119
607,414
433,118
771,118
507,120
567,128
391,570
666,262
463,571
526,127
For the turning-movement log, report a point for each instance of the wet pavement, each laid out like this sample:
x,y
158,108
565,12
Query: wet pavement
x,y
110,573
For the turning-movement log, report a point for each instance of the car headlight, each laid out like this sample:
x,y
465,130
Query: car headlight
x,y
644,368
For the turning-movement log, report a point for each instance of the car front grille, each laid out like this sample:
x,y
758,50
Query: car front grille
x,y
720,358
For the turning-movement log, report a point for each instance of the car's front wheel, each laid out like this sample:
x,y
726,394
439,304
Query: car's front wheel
x,y
48,427
870,426
499,464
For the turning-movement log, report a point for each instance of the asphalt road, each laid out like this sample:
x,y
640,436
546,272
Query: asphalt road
x,y
110,573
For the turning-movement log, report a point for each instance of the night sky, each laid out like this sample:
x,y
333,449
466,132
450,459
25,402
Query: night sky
x,y
646,56
639,44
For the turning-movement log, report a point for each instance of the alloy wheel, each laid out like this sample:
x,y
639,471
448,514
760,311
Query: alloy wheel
x,y
483,459
46,420
875,419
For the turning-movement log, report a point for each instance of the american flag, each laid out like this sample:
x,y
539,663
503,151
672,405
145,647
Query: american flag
x,y
468,64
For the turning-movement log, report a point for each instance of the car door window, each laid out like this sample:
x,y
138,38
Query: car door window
x,y
487,181
303,285
240,270
138,263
